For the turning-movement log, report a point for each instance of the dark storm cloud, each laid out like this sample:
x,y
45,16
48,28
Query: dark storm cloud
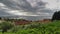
x,y
22,4
19,4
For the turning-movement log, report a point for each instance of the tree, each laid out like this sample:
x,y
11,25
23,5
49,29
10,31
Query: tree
x,y
56,16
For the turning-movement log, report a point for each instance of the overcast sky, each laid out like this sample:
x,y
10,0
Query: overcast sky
x,y
36,9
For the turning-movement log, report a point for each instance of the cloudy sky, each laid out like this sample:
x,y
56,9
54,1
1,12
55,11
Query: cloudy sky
x,y
29,9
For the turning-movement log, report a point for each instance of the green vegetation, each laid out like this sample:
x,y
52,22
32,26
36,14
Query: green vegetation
x,y
33,28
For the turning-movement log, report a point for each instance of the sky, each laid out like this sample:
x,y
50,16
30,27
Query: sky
x,y
29,9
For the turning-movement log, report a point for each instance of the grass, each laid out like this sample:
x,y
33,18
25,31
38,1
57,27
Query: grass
x,y
36,28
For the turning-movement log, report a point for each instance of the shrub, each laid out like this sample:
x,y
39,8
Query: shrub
x,y
6,26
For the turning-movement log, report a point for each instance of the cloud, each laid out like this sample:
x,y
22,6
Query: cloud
x,y
35,8
19,4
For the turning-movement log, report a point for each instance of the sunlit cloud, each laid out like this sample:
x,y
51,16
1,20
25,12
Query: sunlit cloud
x,y
52,4
1,4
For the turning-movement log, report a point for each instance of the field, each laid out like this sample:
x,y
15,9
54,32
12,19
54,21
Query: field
x,y
33,28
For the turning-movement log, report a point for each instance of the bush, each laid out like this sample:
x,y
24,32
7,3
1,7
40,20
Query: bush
x,y
6,26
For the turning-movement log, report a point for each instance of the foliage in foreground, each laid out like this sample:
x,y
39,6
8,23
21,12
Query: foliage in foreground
x,y
36,28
